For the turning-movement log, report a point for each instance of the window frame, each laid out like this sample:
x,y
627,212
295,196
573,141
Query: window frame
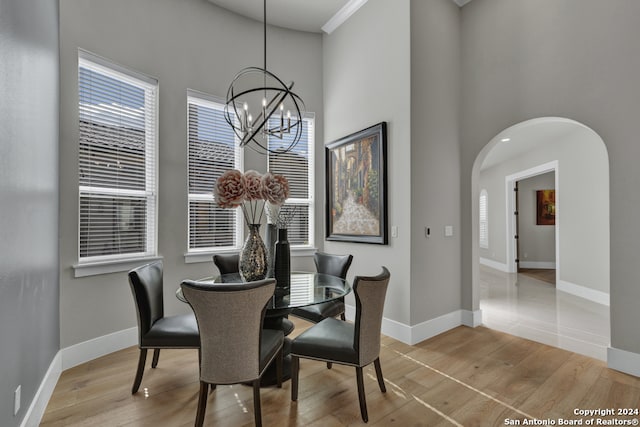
x,y
99,264
194,255
483,241
310,119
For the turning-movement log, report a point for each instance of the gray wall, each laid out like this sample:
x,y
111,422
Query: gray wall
x,y
435,158
537,242
366,72
405,72
29,327
535,58
184,44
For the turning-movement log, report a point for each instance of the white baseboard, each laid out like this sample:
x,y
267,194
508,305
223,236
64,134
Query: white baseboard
x,y
68,358
472,319
538,264
623,361
92,349
414,334
494,264
397,330
40,401
583,292
349,312
433,327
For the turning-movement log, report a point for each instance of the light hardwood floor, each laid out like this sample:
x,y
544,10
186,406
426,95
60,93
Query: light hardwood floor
x,y
464,377
542,274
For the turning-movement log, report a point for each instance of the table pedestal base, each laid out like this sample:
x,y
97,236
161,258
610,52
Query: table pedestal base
x,y
280,322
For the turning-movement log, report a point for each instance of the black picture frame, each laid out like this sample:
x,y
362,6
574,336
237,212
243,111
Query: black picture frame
x,y
356,187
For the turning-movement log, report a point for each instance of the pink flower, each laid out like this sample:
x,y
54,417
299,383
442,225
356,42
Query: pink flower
x,y
275,188
252,185
229,191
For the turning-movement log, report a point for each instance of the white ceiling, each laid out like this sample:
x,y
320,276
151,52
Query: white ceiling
x,y
301,15
527,137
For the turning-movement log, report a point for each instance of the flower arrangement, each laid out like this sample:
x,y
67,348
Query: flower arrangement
x,y
250,191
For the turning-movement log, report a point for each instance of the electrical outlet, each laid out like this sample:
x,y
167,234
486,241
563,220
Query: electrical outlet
x,y
394,231
16,400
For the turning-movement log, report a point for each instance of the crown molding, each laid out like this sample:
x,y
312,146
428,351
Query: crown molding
x,y
342,15
352,7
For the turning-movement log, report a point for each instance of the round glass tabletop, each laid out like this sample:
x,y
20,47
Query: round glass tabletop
x,y
305,289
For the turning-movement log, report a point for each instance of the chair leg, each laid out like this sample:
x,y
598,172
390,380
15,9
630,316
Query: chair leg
x,y
141,361
361,395
279,359
295,368
376,363
202,403
257,413
329,365
156,356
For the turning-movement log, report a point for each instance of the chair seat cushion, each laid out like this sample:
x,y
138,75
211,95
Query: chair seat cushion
x,y
317,312
173,331
331,340
271,342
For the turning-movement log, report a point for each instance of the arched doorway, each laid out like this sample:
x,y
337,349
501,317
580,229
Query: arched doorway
x,y
566,314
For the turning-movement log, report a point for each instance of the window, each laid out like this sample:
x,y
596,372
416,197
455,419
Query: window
x,y
212,150
297,166
484,219
117,161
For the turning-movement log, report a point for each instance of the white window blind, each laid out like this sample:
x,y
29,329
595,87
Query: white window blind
x,y
212,150
117,161
297,167
484,219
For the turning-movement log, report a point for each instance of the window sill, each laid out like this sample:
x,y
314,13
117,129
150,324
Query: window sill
x,y
299,252
105,267
196,257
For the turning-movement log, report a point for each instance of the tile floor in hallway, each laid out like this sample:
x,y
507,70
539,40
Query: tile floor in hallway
x,y
532,309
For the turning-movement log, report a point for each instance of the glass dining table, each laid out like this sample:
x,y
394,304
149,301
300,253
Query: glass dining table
x,y
306,288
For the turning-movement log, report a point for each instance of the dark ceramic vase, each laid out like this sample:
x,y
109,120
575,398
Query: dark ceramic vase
x,y
282,260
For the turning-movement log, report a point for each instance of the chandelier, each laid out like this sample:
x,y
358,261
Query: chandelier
x,y
260,107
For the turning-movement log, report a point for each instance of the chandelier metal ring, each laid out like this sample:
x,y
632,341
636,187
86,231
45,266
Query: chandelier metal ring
x,y
271,94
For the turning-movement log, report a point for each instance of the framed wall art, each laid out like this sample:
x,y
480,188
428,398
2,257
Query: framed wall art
x,y
356,177
545,207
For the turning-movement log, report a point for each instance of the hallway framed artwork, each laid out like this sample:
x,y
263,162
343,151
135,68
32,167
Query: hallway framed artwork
x,y
545,207
356,168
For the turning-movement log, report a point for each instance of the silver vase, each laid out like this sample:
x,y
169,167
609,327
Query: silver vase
x,y
253,257
270,241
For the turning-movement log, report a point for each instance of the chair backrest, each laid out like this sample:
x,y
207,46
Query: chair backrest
x,y
227,263
146,286
334,265
370,293
230,320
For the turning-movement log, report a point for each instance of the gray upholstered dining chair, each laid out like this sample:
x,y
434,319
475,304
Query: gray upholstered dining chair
x,y
334,265
227,263
155,330
354,344
235,347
